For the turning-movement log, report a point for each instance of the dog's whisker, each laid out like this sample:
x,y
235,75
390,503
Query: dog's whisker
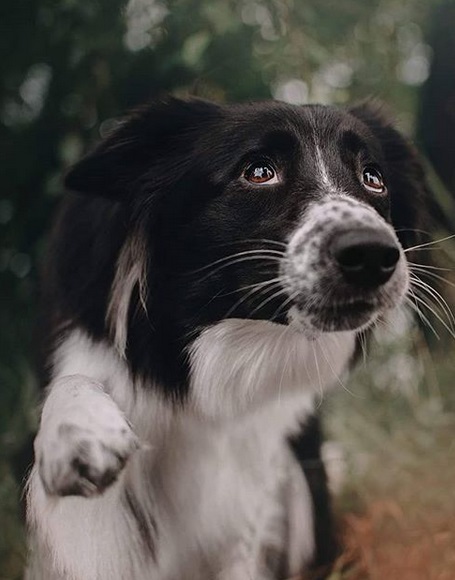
x,y
280,309
433,249
362,340
256,285
318,372
416,308
254,241
262,252
286,363
419,231
434,275
335,374
239,261
424,245
435,314
212,299
440,301
269,299
264,288
428,267
432,308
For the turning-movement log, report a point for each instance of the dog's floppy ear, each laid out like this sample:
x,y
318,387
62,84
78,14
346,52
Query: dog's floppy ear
x,y
411,199
142,140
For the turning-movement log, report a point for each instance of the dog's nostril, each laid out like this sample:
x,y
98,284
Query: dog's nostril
x,y
351,258
366,258
390,258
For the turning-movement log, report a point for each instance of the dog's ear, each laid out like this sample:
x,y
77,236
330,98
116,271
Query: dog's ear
x,y
411,200
141,143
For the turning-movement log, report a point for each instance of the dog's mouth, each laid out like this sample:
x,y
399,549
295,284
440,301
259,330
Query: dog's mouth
x,y
336,315
344,309
345,316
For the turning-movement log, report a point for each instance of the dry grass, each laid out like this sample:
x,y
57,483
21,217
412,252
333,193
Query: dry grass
x,y
397,505
386,542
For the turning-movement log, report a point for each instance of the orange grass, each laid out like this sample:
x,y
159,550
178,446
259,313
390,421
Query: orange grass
x,y
385,543
398,518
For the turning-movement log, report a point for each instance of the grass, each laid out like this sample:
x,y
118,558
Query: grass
x,y
17,420
395,430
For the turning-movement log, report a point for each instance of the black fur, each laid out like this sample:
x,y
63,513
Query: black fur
x,y
307,449
172,174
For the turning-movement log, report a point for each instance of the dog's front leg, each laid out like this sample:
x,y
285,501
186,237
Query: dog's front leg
x,y
84,439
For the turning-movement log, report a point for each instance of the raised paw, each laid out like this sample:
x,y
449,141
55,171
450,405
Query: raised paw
x,y
84,454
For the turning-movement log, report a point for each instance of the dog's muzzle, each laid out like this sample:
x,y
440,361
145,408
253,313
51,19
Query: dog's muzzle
x,y
344,267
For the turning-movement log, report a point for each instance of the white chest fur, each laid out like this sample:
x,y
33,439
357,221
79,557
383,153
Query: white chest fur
x,y
241,365
214,482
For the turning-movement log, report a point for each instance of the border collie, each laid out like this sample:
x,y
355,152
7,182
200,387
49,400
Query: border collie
x,y
209,276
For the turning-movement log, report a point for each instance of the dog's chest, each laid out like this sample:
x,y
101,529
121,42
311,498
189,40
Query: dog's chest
x,y
240,366
215,484
231,492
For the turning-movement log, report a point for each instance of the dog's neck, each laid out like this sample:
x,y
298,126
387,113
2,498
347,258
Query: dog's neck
x,y
238,368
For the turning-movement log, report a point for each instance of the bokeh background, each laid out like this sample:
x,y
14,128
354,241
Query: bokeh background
x,y
70,68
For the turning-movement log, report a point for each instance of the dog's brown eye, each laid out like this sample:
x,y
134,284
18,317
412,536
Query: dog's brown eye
x,y
261,172
372,180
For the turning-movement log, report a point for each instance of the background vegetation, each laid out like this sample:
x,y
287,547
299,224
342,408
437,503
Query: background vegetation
x,y
68,68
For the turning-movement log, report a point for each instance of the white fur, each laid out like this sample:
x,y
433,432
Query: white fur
x,y
238,365
212,488
326,182
131,271
80,422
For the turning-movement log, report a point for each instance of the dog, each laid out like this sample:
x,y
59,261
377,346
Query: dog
x,y
209,276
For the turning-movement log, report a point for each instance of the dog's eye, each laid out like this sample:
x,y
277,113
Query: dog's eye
x,y
261,172
372,179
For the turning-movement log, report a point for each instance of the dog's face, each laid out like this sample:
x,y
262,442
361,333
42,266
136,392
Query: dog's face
x,y
267,211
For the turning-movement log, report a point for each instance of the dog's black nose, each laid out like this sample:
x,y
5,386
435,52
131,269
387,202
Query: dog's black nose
x,y
367,258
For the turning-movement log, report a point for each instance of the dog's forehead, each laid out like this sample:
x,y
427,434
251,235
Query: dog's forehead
x,y
305,123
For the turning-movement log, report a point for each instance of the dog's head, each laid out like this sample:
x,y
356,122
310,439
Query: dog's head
x,y
294,214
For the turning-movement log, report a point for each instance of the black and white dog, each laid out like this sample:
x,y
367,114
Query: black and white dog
x,y
208,280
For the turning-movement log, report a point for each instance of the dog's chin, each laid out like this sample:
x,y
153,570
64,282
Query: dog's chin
x,y
337,317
